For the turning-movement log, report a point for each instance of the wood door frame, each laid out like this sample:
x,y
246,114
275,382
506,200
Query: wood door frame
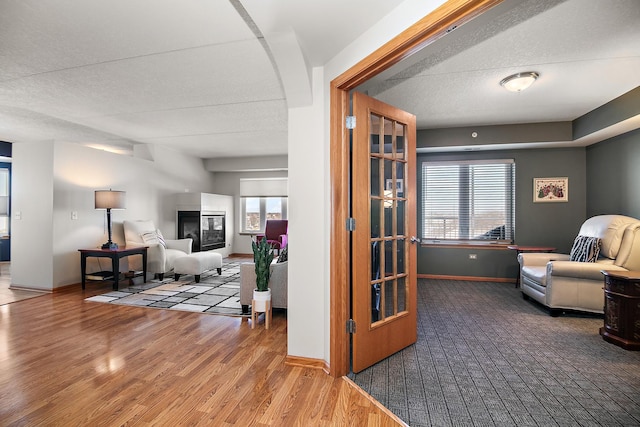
x,y
451,14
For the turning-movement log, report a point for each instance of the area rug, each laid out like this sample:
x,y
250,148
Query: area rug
x,y
214,294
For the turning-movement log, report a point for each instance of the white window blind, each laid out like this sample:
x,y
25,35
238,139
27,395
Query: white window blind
x,y
468,200
264,187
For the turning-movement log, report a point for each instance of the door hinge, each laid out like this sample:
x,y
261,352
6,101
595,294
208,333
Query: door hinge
x,y
351,224
351,326
350,122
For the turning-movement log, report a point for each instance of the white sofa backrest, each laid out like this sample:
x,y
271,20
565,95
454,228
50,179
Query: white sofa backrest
x,y
133,230
609,228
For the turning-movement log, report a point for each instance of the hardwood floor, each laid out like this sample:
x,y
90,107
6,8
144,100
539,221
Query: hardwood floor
x,y
67,362
12,295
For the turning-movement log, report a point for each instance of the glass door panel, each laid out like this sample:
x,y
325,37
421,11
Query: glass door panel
x,y
388,215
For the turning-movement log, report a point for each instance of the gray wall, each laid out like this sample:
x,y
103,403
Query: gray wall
x,y
549,224
613,178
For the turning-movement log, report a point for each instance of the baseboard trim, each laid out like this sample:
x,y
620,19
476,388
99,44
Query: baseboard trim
x,y
468,278
235,255
307,362
370,398
67,287
28,289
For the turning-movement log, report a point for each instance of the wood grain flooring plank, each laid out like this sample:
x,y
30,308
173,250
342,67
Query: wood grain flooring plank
x,y
69,362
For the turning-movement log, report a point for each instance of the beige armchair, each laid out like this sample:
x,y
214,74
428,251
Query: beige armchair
x,y
277,284
161,253
561,284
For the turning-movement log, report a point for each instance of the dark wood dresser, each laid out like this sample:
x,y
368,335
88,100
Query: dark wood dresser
x,y
622,309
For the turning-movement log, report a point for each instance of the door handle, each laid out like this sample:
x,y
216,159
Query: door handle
x,y
414,239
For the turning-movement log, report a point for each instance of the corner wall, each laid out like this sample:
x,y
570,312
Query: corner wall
x,y
613,176
229,183
32,216
539,224
52,180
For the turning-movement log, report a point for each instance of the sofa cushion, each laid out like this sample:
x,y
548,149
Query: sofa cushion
x,y
537,274
153,238
585,249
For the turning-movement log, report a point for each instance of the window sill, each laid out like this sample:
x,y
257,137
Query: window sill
x,y
475,245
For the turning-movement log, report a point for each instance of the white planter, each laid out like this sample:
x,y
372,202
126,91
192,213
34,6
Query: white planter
x,y
260,299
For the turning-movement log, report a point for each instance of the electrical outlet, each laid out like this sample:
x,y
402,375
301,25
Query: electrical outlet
x,y
473,256
74,215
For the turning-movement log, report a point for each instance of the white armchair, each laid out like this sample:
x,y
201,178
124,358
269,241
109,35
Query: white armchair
x,y
561,284
160,257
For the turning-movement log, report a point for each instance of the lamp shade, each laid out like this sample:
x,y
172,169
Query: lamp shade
x,y
109,199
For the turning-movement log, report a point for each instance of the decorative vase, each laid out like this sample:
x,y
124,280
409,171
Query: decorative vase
x,y
260,299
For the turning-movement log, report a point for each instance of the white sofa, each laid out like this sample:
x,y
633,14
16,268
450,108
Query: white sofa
x,y
560,284
277,284
160,257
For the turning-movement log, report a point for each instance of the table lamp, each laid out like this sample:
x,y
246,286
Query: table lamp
x,y
109,199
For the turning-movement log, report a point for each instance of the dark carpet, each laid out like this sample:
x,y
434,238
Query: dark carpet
x,y
487,357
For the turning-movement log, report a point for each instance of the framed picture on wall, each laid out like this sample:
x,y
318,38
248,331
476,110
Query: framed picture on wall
x,y
399,186
550,190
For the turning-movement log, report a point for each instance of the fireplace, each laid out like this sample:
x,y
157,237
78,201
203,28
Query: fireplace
x,y
207,229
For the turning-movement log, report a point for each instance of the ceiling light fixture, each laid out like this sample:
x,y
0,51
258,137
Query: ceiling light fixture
x,y
519,82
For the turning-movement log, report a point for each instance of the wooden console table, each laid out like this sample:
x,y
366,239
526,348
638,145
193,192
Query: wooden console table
x,y
114,255
622,309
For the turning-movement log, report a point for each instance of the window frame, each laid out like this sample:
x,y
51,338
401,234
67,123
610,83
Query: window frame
x,y
263,212
464,213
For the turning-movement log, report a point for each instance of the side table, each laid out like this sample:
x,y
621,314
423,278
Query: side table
x,y
114,255
622,309
520,249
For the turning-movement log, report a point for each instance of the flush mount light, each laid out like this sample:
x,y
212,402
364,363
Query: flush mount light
x,y
519,82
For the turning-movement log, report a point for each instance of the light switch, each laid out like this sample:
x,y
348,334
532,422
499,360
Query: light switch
x,y
74,214
18,215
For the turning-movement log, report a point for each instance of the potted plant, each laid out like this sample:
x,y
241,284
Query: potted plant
x,y
262,257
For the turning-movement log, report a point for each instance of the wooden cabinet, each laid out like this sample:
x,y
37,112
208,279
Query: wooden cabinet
x,y
622,309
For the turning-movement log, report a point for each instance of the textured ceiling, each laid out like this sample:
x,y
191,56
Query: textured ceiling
x,y
197,75
187,74
194,75
586,52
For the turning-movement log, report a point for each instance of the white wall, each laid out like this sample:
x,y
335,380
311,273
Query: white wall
x,y
32,220
50,181
309,220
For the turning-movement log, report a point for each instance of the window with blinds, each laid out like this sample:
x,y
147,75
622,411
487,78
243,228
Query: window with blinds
x,y
468,200
262,199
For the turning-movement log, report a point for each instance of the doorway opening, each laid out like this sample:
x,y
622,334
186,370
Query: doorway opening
x,y
418,36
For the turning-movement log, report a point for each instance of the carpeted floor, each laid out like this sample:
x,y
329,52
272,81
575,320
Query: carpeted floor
x,y
215,294
487,357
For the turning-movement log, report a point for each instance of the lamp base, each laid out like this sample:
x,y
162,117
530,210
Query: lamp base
x,y
110,245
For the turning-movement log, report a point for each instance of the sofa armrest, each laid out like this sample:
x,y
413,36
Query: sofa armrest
x,y
580,270
278,284
156,255
247,282
540,259
183,245
155,252
283,240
